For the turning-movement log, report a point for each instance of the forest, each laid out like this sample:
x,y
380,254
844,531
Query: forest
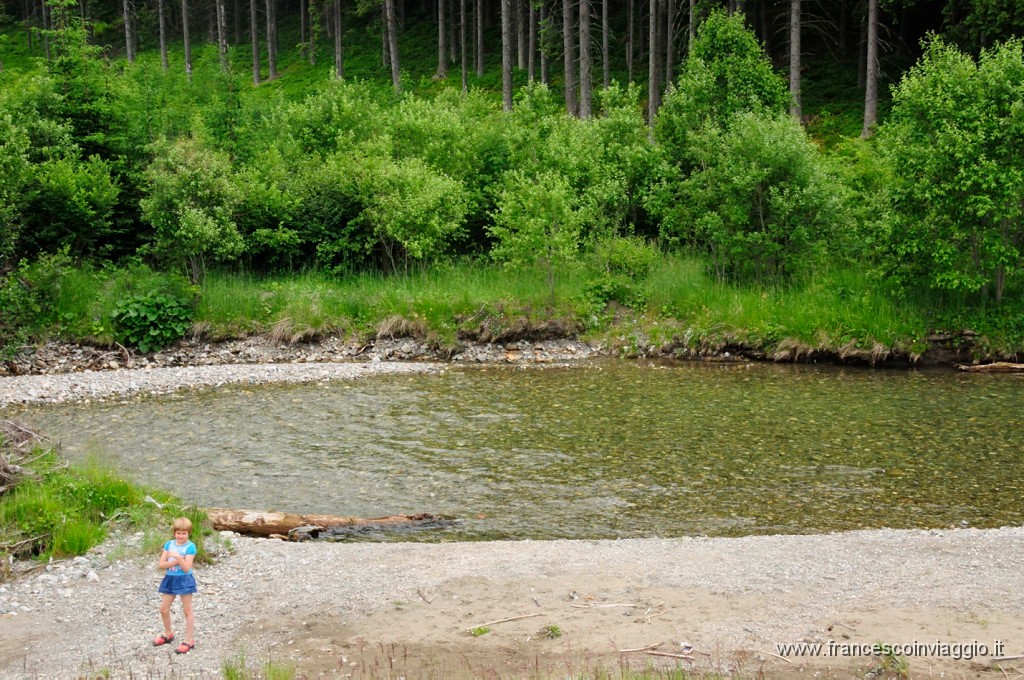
x,y
861,156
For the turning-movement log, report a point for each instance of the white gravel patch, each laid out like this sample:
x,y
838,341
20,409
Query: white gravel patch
x,y
96,385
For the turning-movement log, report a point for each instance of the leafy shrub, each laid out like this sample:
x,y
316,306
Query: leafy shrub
x,y
612,288
726,72
762,201
152,321
191,204
628,255
953,142
27,299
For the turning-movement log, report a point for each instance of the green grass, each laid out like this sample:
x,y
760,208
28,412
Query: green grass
x,y
677,301
827,310
62,510
271,670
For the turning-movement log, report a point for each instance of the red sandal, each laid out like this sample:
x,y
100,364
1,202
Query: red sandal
x,y
163,640
185,648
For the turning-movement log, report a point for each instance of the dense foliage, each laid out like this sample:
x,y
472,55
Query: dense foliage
x,y
121,164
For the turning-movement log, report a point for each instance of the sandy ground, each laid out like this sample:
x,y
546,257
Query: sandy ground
x,y
549,609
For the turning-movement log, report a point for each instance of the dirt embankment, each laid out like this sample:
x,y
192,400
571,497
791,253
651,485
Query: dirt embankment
x,y
517,344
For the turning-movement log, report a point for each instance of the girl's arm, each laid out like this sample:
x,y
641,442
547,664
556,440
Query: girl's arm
x,y
167,560
186,563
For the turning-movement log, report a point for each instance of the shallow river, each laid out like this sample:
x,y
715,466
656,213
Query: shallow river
x,y
608,450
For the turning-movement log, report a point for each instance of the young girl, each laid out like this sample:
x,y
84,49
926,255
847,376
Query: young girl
x,y
176,558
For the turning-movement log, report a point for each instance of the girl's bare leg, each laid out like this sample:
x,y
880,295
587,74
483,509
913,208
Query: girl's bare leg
x,y
190,619
165,613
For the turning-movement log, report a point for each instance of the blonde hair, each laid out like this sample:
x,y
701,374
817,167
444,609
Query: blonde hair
x,y
182,523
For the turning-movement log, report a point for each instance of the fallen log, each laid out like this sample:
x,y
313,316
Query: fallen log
x,y
267,524
997,367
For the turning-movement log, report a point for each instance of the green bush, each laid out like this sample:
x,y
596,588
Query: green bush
x,y
152,321
725,73
761,203
27,299
627,255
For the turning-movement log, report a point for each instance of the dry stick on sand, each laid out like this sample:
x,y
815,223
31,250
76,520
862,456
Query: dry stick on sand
x,y
663,611
511,618
1000,659
600,605
777,656
640,649
674,656
420,592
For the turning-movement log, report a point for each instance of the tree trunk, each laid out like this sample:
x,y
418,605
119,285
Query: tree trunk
x,y
871,73
479,38
997,367
129,33
794,59
670,39
653,79
520,35
531,47
545,65
271,40
236,19
586,61
452,34
391,24
569,62
442,41
314,26
506,55
606,74
222,35
691,31
185,39
630,39
163,34
303,18
339,46
462,46
267,524
254,38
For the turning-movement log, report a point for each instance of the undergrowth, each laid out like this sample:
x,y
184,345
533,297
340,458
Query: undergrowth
x,y
50,507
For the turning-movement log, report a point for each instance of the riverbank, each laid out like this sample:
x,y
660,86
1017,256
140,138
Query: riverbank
x,y
716,606
53,358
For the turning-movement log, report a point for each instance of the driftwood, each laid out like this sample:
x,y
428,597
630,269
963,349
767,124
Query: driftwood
x,y
267,524
997,367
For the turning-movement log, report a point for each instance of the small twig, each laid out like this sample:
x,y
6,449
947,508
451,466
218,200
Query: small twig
x,y
674,656
511,618
425,599
838,623
999,659
1005,674
14,546
127,354
600,605
640,649
663,611
777,656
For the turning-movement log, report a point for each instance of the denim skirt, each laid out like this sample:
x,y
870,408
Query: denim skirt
x,y
178,584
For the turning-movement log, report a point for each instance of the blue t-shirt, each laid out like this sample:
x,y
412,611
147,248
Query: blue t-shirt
x,y
181,550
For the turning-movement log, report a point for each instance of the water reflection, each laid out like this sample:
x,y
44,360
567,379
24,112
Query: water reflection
x,y
609,450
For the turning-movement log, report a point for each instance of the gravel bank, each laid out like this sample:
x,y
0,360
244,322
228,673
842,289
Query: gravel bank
x,y
124,382
324,607
403,610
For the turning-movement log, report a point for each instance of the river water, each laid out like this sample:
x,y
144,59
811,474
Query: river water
x,y
610,449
